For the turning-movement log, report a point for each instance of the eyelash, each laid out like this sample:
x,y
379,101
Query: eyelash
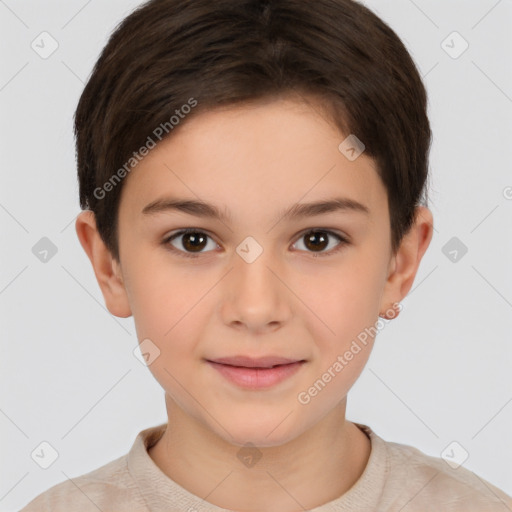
x,y
343,242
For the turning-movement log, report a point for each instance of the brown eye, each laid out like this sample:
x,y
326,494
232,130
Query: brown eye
x,y
316,241
194,241
189,242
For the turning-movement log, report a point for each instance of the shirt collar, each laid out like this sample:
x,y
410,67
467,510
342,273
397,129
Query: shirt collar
x,y
159,491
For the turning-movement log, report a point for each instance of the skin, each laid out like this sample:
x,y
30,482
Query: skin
x,y
254,161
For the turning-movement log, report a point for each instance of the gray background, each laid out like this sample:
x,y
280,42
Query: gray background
x,y
439,373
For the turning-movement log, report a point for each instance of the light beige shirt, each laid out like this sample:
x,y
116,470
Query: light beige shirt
x,y
397,478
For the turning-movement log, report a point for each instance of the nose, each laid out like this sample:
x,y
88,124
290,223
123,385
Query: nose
x,y
255,296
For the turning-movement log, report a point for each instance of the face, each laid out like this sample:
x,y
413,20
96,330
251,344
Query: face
x,y
255,281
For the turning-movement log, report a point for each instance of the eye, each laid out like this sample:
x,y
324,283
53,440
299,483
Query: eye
x,y
188,242
191,242
316,240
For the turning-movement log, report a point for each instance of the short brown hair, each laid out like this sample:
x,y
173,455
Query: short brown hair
x,y
170,53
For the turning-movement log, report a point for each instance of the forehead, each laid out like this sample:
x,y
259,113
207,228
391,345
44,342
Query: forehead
x,y
253,157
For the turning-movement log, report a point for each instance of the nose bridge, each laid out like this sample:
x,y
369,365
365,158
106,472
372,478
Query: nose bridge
x,y
256,296
253,262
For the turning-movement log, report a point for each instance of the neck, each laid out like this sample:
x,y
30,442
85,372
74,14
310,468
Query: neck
x,y
314,468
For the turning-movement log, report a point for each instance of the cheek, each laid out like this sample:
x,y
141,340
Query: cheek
x,y
347,301
161,293
168,315
346,298
171,305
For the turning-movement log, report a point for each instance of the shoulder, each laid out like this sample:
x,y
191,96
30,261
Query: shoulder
x,y
421,482
108,487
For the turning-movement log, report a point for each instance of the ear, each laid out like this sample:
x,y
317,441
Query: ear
x,y
106,268
404,264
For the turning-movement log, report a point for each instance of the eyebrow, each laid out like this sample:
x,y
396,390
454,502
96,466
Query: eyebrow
x,y
200,208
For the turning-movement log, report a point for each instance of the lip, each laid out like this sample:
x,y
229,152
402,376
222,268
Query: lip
x,y
271,371
255,362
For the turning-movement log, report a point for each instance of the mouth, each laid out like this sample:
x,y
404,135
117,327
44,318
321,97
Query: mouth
x,y
255,362
256,373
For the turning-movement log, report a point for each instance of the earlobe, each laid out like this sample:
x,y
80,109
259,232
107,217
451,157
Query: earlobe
x,y
408,257
106,269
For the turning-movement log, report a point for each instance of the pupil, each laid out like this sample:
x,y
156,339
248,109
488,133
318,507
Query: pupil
x,y
321,240
193,240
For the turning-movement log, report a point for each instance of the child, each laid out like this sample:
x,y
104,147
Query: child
x,y
253,175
